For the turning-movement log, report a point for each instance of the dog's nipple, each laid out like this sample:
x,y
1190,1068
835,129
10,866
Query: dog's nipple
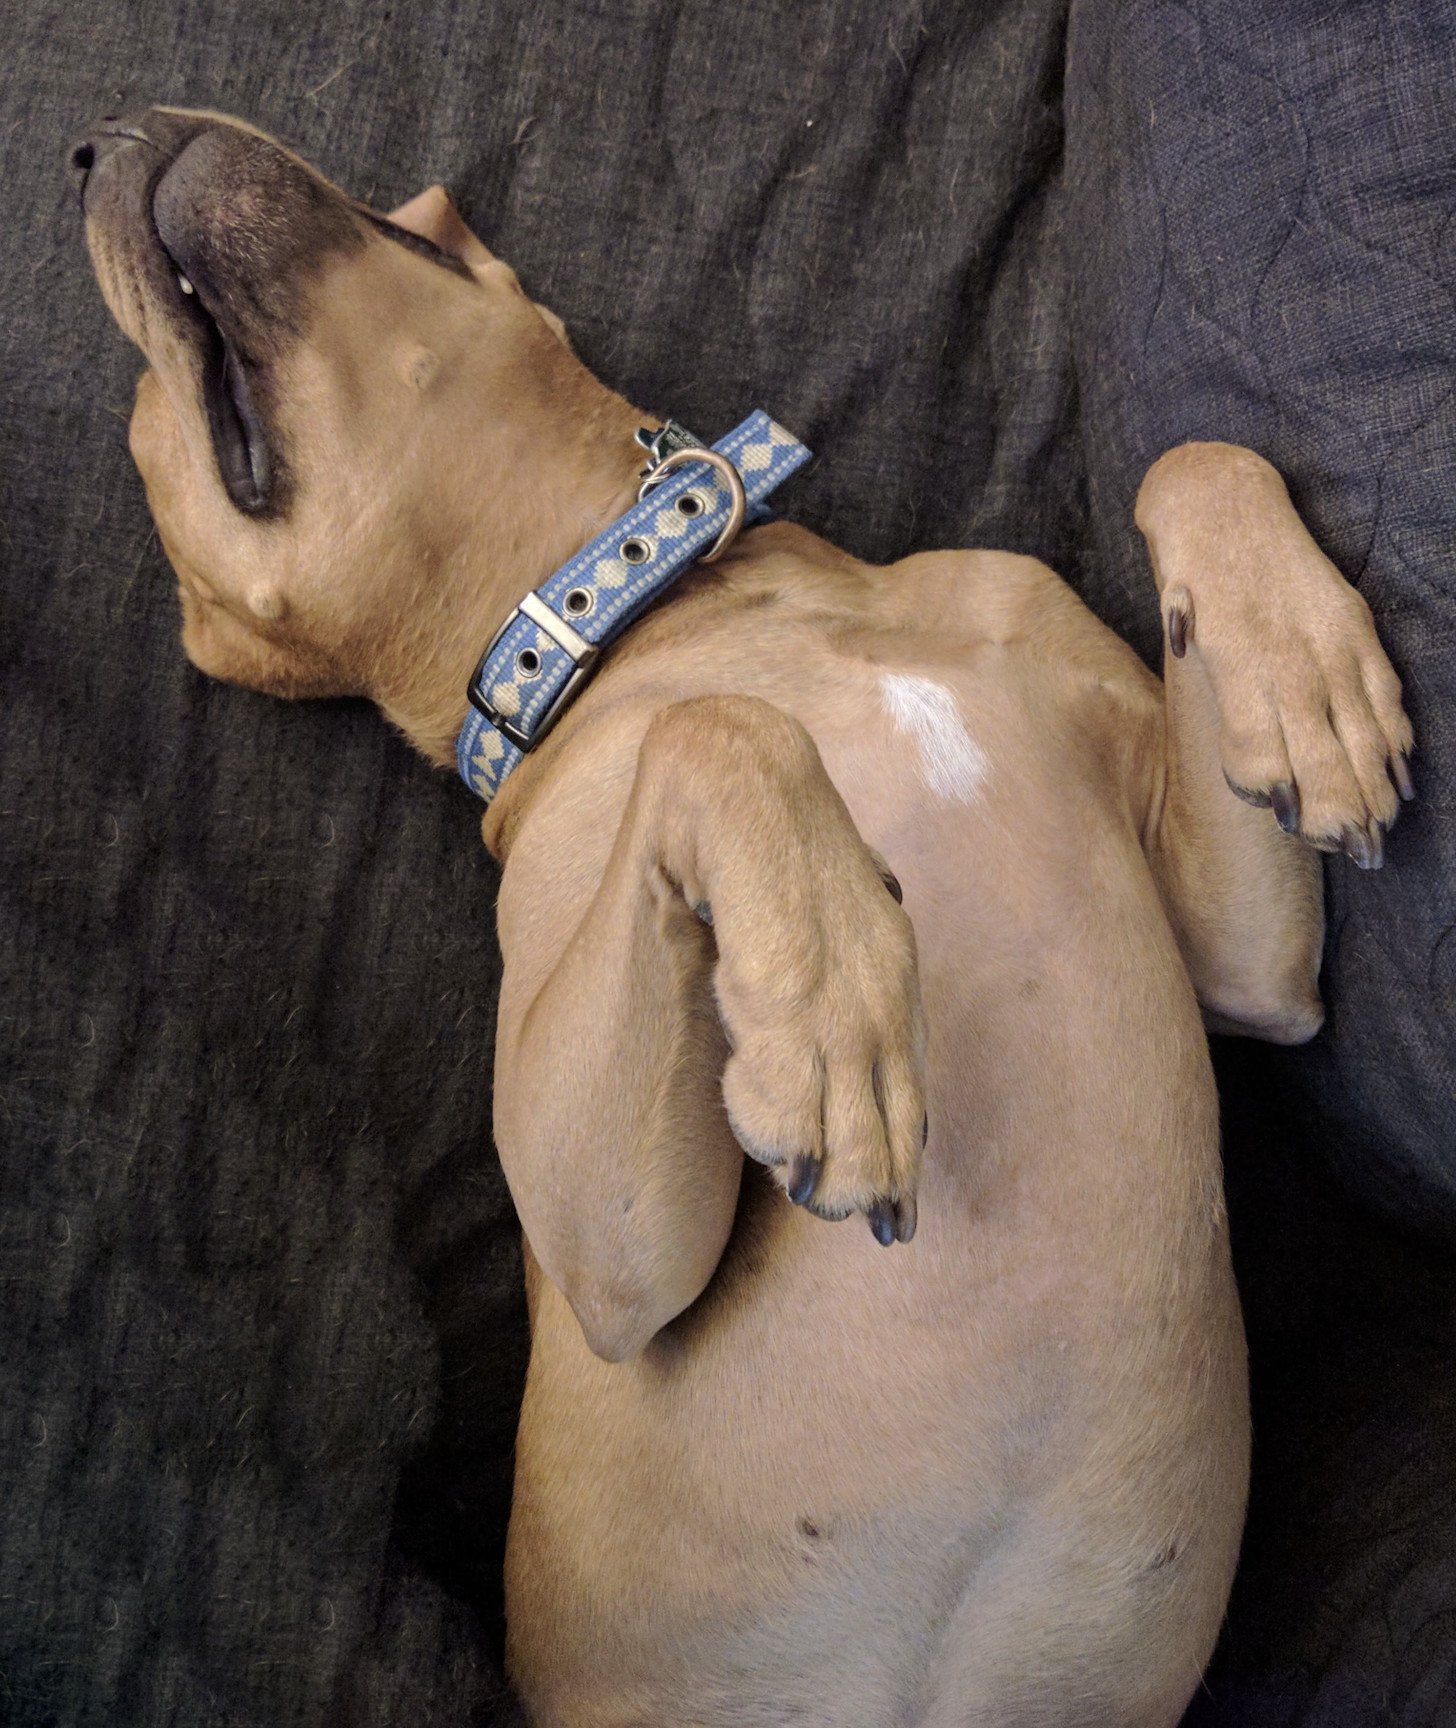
x,y
422,369
185,285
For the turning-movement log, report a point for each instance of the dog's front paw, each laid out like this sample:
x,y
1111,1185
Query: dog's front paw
x,y
1310,713
1311,721
821,1003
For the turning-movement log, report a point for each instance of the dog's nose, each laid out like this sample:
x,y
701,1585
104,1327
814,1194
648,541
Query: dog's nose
x,y
95,147
106,137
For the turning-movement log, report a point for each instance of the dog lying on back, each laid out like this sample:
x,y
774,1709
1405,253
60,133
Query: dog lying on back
x,y
984,1461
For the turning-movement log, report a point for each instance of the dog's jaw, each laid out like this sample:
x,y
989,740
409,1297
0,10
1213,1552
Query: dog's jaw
x,y
492,453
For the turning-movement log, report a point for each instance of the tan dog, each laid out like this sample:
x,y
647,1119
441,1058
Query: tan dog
x,y
769,1471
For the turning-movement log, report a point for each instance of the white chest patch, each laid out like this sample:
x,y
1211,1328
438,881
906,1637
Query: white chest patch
x,y
953,764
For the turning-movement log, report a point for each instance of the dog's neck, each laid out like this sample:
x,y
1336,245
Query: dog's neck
x,y
546,497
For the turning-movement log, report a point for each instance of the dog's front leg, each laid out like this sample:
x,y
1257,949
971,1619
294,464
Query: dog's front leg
x,y
740,978
1278,691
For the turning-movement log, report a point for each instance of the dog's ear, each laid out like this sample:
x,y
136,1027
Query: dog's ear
x,y
433,216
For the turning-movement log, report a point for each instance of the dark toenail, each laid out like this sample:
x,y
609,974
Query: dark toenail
x,y
1401,774
1178,631
805,1177
1358,844
882,1222
888,877
904,1220
1284,796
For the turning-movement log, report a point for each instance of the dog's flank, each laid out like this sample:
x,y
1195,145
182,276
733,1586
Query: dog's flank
x,y
977,1452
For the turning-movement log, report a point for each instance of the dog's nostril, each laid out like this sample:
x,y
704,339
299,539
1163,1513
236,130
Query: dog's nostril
x,y
83,158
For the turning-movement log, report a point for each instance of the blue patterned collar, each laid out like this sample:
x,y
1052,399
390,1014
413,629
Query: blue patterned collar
x,y
544,651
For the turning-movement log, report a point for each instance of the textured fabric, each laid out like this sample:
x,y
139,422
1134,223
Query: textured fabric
x,y
1344,1609
1264,222
263,1331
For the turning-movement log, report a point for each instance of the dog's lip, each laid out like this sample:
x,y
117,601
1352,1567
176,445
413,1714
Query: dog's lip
x,y
239,437
230,375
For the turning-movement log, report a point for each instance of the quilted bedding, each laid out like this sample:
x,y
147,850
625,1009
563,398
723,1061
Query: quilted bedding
x,y
1264,234
263,1332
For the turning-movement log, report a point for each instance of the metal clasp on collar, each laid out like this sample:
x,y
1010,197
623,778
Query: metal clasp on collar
x,y
583,657
738,505
666,441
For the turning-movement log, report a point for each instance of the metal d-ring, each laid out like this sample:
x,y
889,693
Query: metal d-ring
x,y
738,509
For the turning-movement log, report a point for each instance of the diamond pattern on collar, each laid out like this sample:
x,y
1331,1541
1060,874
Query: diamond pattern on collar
x,y
616,588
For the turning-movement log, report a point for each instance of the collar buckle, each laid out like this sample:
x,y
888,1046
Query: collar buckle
x,y
583,656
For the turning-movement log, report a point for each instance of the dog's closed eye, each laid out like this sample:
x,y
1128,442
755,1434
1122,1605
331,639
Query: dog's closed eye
x,y
413,242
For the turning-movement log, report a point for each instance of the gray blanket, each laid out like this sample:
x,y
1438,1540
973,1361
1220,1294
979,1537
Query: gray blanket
x,y
263,1331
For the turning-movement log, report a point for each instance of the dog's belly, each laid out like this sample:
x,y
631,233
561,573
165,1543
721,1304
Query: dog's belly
x,y
989,1477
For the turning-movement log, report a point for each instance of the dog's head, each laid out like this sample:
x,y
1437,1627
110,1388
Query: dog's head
x,y
338,406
